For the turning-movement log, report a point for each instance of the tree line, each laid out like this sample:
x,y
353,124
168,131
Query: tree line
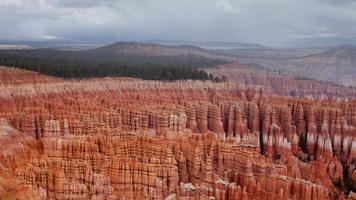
x,y
94,63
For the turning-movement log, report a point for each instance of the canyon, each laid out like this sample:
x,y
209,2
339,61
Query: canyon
x,y
126,138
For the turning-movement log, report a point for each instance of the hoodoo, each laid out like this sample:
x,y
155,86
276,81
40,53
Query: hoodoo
x,y
118,138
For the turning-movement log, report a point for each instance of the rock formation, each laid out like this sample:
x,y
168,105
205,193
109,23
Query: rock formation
x,y
121,138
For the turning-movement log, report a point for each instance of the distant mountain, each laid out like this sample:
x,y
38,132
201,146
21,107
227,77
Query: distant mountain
x,y
231,45
151,49
321,42
212,44
271,53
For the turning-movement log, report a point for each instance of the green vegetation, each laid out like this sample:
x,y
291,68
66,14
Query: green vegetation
x,y
97,63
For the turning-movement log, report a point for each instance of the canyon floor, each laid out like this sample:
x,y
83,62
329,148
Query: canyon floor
x,y
125,138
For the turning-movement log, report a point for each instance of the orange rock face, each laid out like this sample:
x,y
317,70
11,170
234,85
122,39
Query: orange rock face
x,y
116,138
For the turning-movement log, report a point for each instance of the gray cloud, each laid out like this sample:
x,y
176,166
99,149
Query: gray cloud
x,y
339,2
269,22
81,3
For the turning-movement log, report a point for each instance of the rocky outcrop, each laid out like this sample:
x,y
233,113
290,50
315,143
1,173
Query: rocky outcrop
x,y
16,151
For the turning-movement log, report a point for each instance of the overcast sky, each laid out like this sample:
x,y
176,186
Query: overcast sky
x,y
270,22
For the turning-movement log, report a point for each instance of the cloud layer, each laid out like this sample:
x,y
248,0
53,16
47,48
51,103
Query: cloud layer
x,y
269,22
